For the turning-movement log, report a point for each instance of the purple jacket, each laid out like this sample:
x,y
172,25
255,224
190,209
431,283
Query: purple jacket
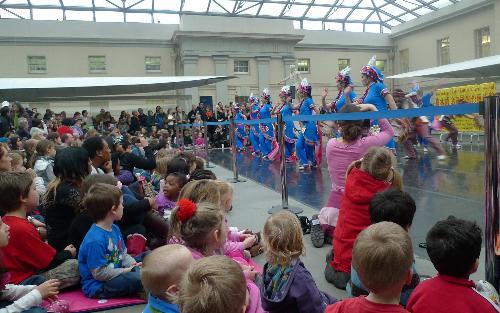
x,y
299,295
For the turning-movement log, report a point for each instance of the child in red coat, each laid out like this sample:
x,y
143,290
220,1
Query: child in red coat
x,y
366,177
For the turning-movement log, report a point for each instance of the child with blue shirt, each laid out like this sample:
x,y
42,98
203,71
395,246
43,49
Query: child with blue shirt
x,y
395,206
106,270
161,274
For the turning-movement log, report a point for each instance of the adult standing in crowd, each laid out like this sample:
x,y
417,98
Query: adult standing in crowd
x,y
135,123
17,112
159,117
4,121
192,114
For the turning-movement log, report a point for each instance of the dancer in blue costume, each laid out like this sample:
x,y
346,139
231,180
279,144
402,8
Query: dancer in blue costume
x,y
254,128
307,141
376,92
266,137
346,92
240,134
286,110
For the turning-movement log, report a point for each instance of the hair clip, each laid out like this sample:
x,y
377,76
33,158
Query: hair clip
x,y
187,209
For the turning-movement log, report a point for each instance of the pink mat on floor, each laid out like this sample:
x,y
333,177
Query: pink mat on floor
x,y
79,303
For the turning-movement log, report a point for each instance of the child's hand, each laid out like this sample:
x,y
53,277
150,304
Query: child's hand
x,y
49,288
249,242
152,203
128,269
71,249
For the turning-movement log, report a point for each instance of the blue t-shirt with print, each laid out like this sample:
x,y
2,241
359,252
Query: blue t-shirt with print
x,y
99,248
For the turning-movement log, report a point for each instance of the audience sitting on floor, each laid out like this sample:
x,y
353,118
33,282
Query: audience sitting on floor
x,y
83,214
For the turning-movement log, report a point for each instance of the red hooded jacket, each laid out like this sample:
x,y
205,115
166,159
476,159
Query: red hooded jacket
x,y
354,215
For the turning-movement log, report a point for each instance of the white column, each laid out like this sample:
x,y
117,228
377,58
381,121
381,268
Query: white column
x,y
263,72
221,70
190,64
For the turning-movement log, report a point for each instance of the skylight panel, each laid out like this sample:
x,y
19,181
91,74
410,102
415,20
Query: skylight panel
x,y
46,2
15,13
7,2
195,5
333,26
108,16
354,27
138,17
372,28
51,14
339,14
423,11
78,3
271,9
170,5
79,15
392,9
105,4
317,12
359,14
222,6
313,25
296,10
145,4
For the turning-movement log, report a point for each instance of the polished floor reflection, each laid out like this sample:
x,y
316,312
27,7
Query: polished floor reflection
x,y
451,187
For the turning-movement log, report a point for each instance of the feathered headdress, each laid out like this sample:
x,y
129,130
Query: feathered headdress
x,y
266,96
253,99
285,91
304,87
344,76
372,71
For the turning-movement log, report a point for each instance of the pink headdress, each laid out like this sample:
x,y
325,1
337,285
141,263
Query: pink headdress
x,y
372,71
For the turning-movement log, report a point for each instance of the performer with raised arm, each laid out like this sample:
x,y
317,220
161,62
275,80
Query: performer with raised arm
x,y
266,137
286,110
254,128
307,141
345,95
376,92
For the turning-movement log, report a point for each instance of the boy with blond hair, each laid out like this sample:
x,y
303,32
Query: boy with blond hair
x,y
161,274
383,259
214,284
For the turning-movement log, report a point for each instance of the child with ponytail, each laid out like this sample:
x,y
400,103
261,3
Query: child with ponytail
x,y
366,177
43,161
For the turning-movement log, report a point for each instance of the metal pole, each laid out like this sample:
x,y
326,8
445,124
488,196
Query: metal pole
x,y
207,164
232,136
492,171
284,188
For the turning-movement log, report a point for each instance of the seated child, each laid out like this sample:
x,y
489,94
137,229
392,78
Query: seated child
x,y
161,273
159,172
16,298
213,284
383,258
107,271
374,173
44,161
389,206
167,200
30,260
454,246
288,286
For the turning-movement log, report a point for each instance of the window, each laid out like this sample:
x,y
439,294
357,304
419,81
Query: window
x,y
97,64
483,42
37,64
303,65
444,51
404,60
380,64
240,99
153,64
240,66
343,63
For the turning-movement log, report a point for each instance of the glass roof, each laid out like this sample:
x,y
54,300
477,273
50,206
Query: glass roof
x,y
348,15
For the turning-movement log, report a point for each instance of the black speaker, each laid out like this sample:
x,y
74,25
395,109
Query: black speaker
x,y
293,91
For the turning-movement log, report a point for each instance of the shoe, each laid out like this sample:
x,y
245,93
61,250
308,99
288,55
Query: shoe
x,y
314,164
441,157
338,279
303,167
407,157
136,243
457,146
426,150
317,234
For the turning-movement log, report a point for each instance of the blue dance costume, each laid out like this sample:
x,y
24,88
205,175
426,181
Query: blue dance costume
x,y
375,94
240,134
307,140
340,101
290,137
254,129
266,136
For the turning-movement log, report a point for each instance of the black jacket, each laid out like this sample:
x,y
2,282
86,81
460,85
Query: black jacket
x,y
129,161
